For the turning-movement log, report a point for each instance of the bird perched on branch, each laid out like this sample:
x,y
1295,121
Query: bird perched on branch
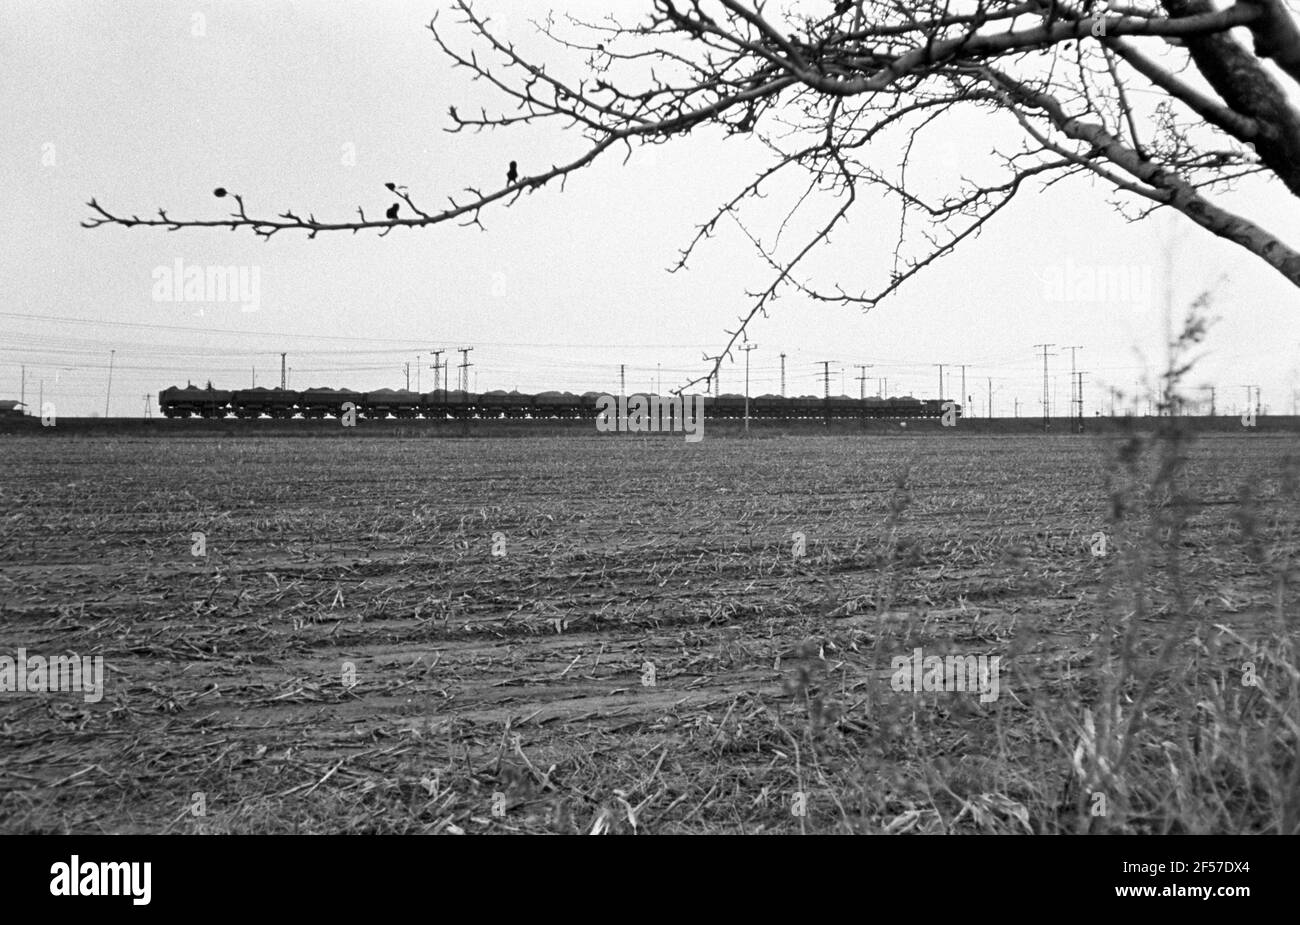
x,y
392,212
512,175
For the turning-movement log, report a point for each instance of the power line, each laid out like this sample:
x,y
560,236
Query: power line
x,y
341,337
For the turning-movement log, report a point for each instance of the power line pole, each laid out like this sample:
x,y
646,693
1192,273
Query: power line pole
x,y
22,397
465,364
109,391
826,374
283,384
1079,393
1247,388
437,365
990,409
147,412
659,379
862,380
1210,389
965,399
622,380
1073,397
1047,394
407,368
940,365
747,348
783,375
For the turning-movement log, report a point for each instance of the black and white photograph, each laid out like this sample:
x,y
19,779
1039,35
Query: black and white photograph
x,y
651,417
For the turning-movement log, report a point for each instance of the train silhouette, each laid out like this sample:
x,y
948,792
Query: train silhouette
x,y
320,403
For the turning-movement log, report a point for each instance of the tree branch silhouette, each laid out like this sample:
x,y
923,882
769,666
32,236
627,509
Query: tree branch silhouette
x,y
1156,99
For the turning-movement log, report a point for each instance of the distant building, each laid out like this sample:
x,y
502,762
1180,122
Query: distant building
x,y
11,409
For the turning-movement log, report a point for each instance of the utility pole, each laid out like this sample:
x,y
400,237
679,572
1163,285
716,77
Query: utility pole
x,y
862,380
1017,401
747,348
1247,388
1073,396
254,377
283,384
109,391
437,365
407,368
1210,389
826,375
147,413
1259,401
990,396
22,396
622,380
659,379
1047,395
965,399
783,375
940,365
1079,393
885,389
417,372
465,364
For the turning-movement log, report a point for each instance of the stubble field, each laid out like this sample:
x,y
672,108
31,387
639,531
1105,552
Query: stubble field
x,y
646,651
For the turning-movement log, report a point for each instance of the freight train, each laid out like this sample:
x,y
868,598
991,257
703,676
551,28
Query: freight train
x,y
192,402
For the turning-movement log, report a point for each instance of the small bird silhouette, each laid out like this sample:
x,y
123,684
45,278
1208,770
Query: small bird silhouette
x,y
219,192
513,173
392,211
391,186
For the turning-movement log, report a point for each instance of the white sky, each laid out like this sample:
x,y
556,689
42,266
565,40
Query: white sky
x,y
139,113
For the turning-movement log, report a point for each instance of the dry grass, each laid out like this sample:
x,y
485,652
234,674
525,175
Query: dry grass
x,y
508,694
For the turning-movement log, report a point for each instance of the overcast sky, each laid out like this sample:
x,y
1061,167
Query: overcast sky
x,y
123,102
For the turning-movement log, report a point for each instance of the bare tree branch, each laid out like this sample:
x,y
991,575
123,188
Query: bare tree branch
x,y
1157,98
